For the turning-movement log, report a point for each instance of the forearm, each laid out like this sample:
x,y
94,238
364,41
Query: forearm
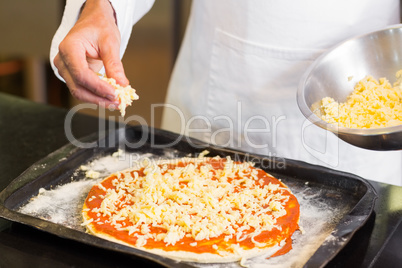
x,y
70,16
126,14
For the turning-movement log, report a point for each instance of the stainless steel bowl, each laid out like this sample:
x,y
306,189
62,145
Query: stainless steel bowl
x,y
335,73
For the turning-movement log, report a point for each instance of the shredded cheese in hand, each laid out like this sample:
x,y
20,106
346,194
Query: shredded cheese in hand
x,y
125,95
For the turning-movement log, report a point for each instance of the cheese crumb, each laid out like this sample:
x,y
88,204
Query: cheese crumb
x,y
84,168
243,263
118,153
92,174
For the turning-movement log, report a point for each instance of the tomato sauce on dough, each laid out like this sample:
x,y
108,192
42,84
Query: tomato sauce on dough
x,y
288,223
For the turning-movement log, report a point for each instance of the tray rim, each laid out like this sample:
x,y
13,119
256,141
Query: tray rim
x,y
319,259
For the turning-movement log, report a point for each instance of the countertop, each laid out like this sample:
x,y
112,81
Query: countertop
x,y
30,131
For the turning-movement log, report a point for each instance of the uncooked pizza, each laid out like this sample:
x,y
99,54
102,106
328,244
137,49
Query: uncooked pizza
x,y
205,209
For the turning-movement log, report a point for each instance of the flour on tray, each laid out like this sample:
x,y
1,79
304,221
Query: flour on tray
x,y
62,205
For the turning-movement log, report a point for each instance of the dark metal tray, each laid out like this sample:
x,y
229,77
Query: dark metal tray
x,y
334,204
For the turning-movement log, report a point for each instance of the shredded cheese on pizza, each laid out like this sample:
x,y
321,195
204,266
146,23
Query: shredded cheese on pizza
x,y
125,95
195,200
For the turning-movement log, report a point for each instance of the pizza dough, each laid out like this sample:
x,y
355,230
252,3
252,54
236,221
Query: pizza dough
x,y
194,209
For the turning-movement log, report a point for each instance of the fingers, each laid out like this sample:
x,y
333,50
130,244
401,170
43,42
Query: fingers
x,y
109,53
83,83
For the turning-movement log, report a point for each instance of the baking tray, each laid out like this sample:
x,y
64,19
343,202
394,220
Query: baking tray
x,y
49,195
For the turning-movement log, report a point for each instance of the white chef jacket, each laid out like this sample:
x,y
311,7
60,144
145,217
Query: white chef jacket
x,y
236,77
235,80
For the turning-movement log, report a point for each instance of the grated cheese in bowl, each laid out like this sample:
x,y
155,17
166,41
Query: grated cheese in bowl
x,y
372,104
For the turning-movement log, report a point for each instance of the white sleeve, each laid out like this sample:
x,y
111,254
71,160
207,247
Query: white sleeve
x,y
128,12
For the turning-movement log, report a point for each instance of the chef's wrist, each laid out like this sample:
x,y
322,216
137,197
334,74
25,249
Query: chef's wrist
x,y
103,6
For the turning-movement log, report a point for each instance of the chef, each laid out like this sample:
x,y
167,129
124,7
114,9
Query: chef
x,y
235,80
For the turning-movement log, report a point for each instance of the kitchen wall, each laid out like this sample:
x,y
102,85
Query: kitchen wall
x,y
26,29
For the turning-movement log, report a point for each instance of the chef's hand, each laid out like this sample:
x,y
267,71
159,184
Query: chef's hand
x,y
94,41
